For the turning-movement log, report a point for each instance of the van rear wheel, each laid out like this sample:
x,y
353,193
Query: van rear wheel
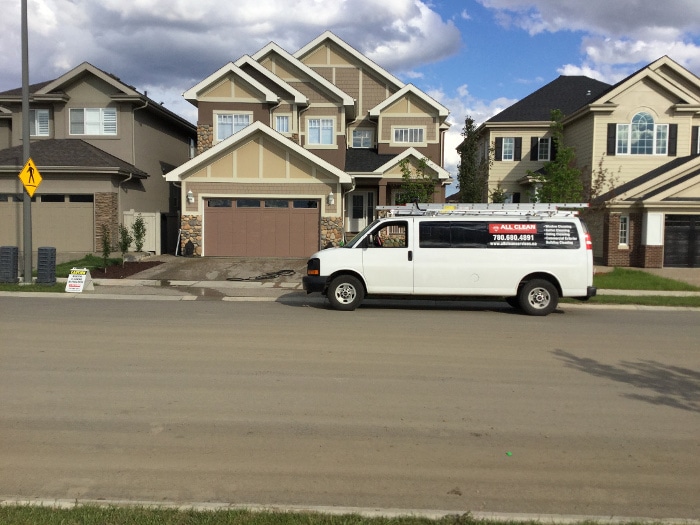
x,y
538,297
345,293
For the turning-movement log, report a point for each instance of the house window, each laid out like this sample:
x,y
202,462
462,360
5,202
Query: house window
x,y
624,230
320,131
39,122
282,123
229,123
508,148
93,121
543,149
362,138
642,136
409,135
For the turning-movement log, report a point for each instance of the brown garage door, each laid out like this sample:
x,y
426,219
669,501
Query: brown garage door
x,y
261,227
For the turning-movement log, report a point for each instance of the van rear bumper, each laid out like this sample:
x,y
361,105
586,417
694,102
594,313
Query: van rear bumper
x,y
591,291
314,283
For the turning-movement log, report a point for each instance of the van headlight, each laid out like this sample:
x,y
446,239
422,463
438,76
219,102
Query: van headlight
x,y
313,267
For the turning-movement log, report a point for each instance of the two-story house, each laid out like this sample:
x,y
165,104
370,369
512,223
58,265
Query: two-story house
x,y
641,135
101,148
295,151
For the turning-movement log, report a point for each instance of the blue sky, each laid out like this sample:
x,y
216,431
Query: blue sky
x,y
476,57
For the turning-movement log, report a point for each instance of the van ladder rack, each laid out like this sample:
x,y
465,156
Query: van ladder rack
x,y
542,209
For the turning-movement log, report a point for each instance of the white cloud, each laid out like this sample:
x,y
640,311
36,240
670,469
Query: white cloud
x,y
176,43
461,106
617,37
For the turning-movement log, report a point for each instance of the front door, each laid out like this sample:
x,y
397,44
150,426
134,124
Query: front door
x,y
360,210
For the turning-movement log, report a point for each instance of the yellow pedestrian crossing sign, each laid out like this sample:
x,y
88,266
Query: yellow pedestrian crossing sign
x,y
30,177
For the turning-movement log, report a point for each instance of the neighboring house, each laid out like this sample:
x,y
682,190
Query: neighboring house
x,y
101,148
295,151
642,133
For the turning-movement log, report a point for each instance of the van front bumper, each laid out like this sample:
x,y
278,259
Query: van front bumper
x,y
314,283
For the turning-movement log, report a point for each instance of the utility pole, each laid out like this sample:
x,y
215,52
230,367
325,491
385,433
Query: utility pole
x,y
27,202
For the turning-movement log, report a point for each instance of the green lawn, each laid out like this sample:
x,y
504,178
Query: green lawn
x,y
94,515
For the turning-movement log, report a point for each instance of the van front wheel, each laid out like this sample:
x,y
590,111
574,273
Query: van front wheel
x,y
345,293
538,297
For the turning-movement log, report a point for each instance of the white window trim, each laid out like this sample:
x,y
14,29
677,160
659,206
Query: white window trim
x,y
102,122
215,138
36,122
364,130
512,151
549,149
623,235
423,143
628,142
290,122
334,140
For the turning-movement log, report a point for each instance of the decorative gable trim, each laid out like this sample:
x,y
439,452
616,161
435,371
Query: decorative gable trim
x,y
195,164
442,111
273,48
247,60
86,67
443,174
192,95
328,35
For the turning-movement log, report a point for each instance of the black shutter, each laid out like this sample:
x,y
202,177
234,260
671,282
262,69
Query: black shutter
x,y
672,139
534,148
552,149
518,148
694,146
499,148
612,136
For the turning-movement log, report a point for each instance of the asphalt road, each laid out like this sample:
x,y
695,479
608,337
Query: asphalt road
x,y
587,411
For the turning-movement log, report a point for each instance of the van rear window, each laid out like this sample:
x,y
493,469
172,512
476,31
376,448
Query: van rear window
x,y
498,234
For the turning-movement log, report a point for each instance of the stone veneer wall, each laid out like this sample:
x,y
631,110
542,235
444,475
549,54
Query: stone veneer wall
x,y
205,138
106,214
331,231
191,231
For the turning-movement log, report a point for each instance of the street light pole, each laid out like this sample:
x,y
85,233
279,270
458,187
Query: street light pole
x,y
27,202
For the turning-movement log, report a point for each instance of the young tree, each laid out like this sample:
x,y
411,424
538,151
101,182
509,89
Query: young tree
x,y
106,246
561,180
125,240
415,187
139,231
472,178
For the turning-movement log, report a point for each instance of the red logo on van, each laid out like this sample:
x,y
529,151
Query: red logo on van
x,y
512,228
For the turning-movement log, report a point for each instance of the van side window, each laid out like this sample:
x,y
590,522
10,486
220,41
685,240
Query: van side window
x,y
391,235
453,234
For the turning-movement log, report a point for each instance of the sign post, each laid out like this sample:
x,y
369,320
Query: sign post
x,y
27,202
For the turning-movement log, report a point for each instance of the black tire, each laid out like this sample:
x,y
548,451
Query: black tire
x,y
345,293
538,297
513,302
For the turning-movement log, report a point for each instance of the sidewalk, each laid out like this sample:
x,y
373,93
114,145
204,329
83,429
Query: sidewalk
x,y
261,279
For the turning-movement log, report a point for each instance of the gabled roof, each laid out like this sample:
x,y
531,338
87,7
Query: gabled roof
x,y
68,155
53,90
653,184
566,93
274,49
327,35
409,88
242,136
247,60
651,71
443,174
192,95
361,160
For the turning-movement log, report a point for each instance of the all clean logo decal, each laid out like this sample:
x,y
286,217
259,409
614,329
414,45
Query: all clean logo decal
x,y
512,228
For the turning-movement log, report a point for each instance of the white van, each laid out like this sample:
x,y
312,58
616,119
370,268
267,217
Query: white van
x,y
529,254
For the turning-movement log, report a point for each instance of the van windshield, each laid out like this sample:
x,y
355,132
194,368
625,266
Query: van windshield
x,y
359,236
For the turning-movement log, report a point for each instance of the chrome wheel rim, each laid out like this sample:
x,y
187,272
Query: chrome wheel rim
x,y
539,298
345,293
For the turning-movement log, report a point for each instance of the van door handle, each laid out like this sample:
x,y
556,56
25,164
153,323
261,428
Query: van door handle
x,y
410,255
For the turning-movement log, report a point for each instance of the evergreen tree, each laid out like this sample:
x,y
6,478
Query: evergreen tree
x,y
472,177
